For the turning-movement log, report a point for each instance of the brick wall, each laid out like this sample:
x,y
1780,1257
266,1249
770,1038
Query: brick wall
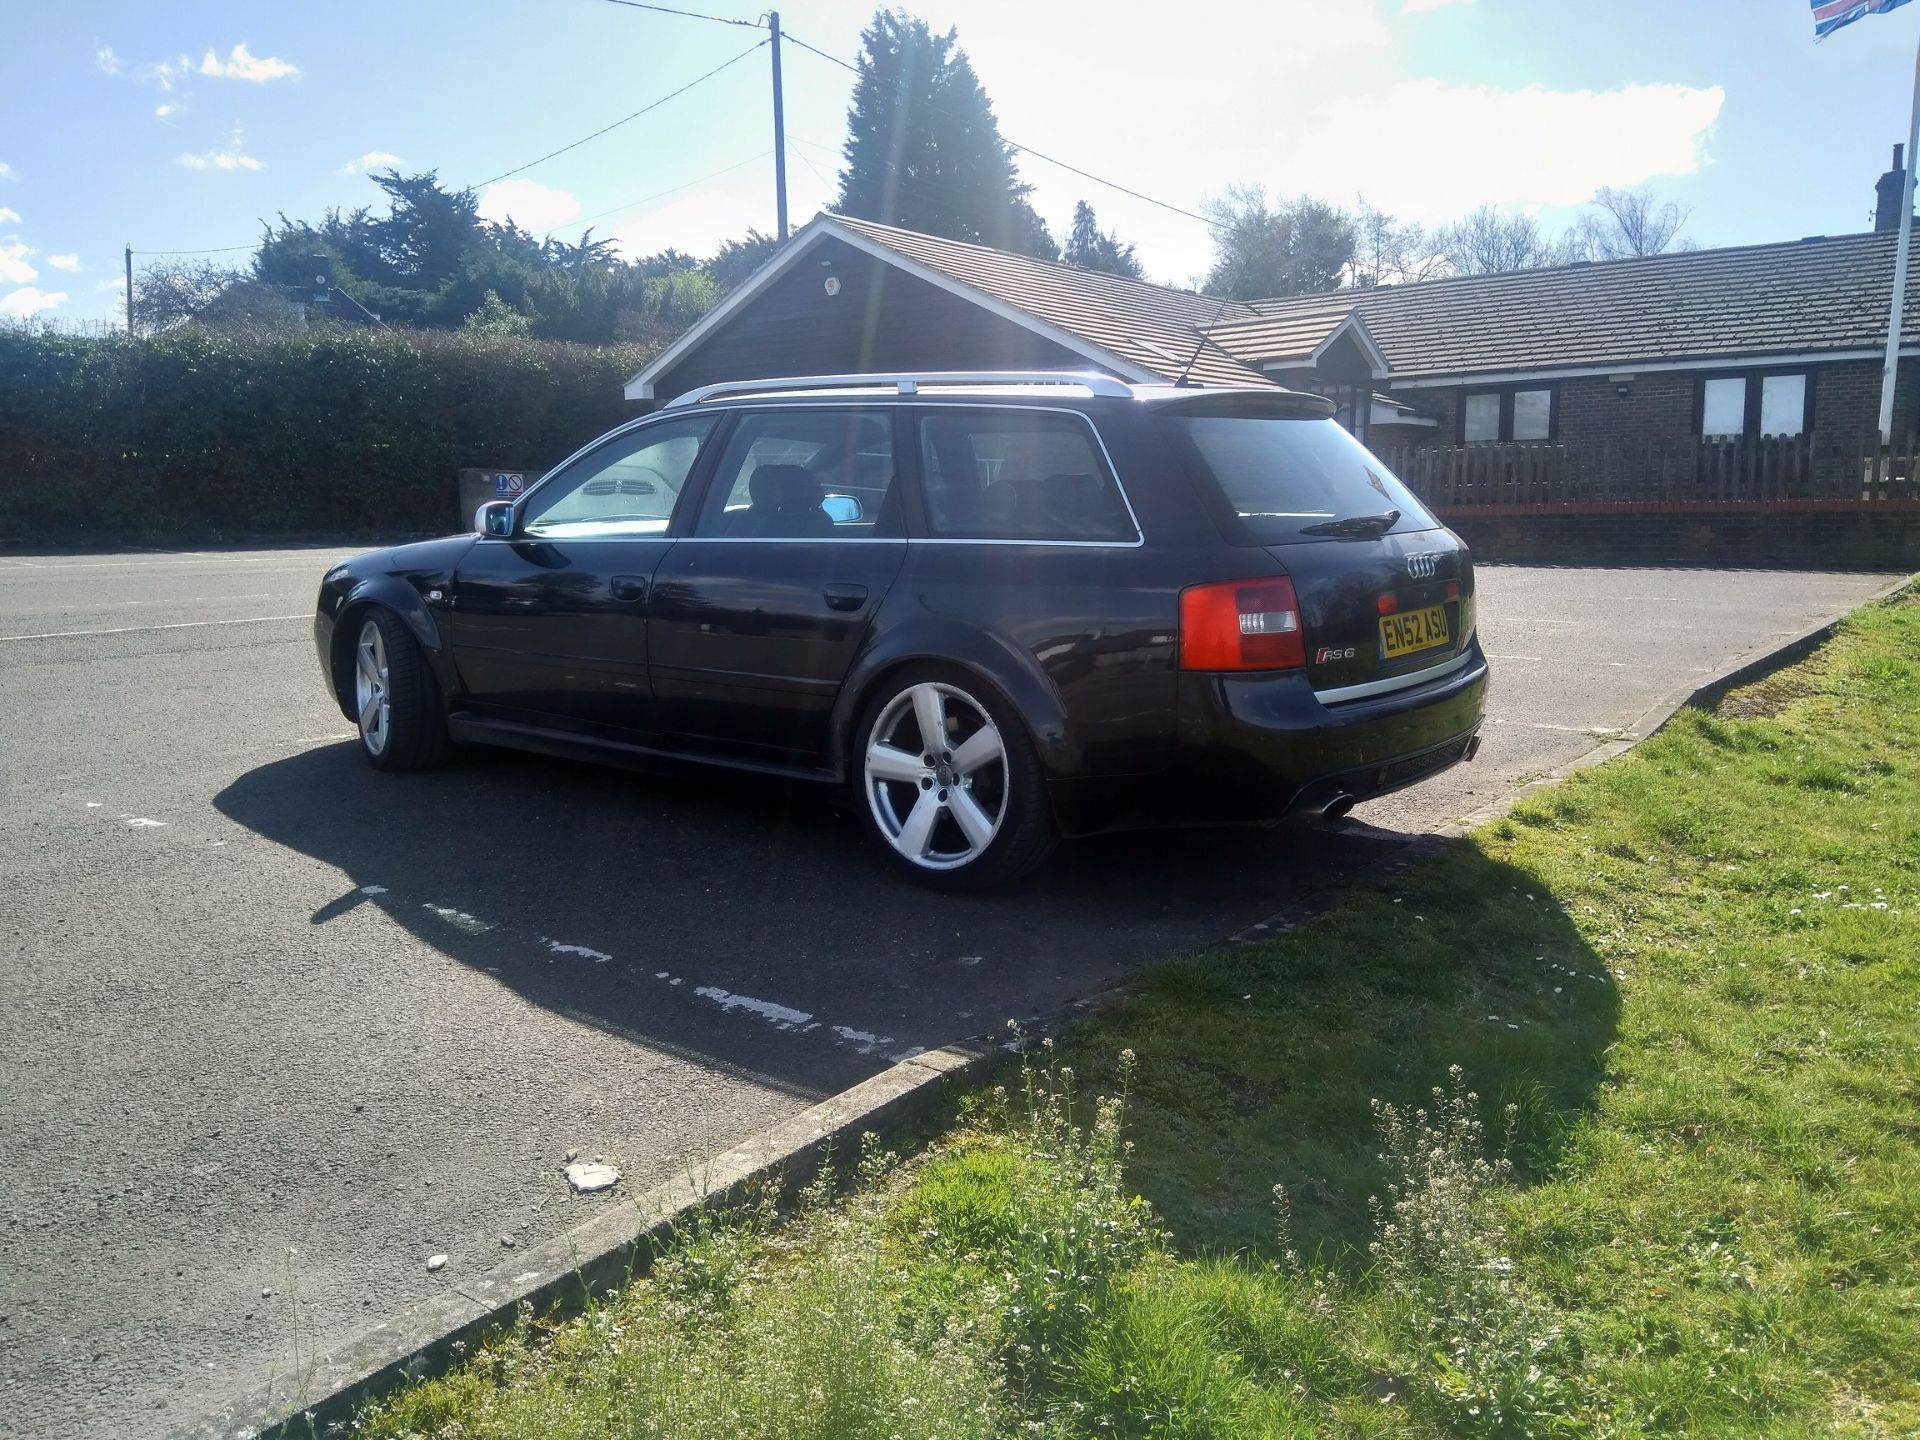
x,y
1591,408
1880,538
1846,398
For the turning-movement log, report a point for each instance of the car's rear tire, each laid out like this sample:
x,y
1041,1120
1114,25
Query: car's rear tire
x,y
395,699
948,780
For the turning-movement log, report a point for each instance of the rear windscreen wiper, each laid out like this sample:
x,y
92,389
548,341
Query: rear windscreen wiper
x,y
1358,525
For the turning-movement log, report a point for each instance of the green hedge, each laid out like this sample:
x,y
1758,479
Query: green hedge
x,y
198,435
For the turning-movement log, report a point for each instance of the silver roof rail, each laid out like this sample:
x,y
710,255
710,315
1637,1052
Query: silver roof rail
x,y
1103,385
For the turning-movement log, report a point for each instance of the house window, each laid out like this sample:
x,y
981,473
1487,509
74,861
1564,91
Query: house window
x,y
1480,420
1783,404
1491,415
1734,406
1723,406
1532,415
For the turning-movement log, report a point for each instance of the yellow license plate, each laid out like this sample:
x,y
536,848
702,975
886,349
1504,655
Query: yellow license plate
x,y
1408,631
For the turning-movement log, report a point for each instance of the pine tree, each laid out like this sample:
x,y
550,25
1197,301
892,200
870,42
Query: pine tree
x,y
1091,248
923,148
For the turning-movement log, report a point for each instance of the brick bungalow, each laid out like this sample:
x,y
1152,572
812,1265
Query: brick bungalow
x,y
1707,405
1777,339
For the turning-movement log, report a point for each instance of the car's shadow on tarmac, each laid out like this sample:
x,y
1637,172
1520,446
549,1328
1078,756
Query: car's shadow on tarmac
x,y
702,913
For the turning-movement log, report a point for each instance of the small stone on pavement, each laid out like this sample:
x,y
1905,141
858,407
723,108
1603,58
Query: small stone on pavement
x,y
435,1262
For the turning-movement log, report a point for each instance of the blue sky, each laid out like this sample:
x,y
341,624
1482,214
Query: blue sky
x,y
180,126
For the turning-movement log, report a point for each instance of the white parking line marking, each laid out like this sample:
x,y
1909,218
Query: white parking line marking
x,y
184,600
137,629
203,562
459,919
599,957
1569,729
1561,660
780,1016
140,822
864,1041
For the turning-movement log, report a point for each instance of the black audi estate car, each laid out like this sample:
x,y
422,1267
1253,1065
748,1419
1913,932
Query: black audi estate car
x,y
992,610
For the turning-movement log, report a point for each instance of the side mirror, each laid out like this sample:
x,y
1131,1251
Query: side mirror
x,y
841,509
495,518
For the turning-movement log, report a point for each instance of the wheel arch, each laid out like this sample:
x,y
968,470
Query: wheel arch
x,y
1013,672
401,600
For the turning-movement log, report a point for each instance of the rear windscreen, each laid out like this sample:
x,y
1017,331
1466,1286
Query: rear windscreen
x,y
1280,476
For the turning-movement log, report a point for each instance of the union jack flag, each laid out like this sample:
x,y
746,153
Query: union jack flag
x,y
1830,15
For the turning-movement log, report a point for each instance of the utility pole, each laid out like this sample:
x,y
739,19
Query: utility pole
x,y
1891,369
129,290
779,130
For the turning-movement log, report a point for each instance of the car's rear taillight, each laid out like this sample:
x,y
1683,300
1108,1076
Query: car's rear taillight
x,y
1241,625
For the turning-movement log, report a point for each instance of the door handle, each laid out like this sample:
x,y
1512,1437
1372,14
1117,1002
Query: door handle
x,y
629,587
845,597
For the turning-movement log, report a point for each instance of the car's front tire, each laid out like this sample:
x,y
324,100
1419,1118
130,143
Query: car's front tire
x,y
395,700
949,781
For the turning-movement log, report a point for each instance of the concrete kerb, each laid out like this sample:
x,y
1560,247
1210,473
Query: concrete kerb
x,y
1703,696
560,1274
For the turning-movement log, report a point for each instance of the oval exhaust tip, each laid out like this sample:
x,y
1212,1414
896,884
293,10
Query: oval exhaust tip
x,y
1337,808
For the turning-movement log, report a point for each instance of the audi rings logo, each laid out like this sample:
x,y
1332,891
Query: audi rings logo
x,y
1422,566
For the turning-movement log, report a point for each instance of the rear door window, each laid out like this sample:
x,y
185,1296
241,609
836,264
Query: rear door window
x,y
1280,479
1033,475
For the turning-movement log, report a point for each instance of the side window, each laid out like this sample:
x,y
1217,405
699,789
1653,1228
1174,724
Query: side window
x,y
812,474
1018,475
628,486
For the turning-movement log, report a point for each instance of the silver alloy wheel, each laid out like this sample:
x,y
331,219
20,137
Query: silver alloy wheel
x,y
370,688
936,773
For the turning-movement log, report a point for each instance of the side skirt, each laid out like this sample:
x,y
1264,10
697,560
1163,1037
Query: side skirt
x,y
516,735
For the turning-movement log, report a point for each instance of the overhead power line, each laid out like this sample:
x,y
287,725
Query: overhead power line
x,y
624,119
1038,155
689,14
212,250
659,194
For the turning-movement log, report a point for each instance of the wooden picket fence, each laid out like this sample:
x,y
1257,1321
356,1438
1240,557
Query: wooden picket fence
x,y
1785,471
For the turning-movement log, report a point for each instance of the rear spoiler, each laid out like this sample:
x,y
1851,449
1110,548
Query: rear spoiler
x,y
1243,403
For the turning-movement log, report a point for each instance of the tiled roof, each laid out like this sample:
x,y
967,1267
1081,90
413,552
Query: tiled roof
x,y
1153,326
1740,304
1292,334
1755,300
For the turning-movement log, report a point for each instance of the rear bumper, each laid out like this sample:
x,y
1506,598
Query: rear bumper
x,y
1257,749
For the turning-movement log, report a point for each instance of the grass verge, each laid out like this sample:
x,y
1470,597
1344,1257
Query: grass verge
x,y
1605,1121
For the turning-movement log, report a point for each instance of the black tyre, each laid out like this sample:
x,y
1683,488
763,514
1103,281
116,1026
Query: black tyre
x,y
395,699
948,780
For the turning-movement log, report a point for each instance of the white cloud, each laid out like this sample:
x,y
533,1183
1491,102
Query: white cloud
x,y
1414,7
528,203
164,72
234,157
171,107
8,216
6,171
242,64
14,269
372,160
107,60
29,301
68,263
1554,147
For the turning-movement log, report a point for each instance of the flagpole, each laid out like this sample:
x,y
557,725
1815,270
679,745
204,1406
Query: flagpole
x,y
1891,369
